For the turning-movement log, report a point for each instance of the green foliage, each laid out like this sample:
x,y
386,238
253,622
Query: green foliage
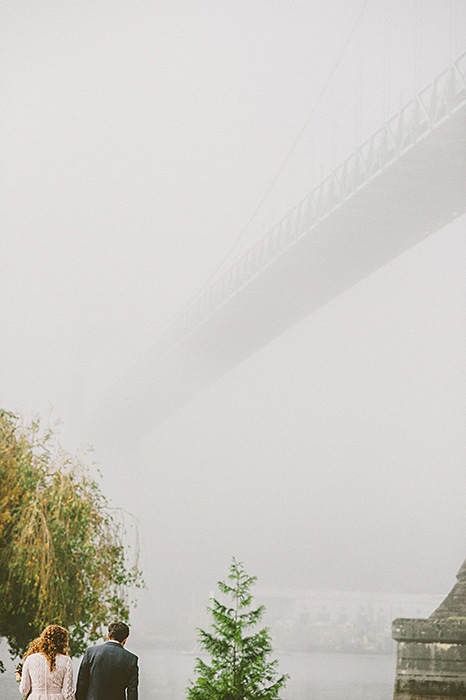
x,y
239,669
62,552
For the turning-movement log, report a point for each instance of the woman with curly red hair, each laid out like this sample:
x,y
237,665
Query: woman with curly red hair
x,y
47,670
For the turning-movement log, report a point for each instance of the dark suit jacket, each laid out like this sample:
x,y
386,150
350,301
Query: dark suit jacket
x,y
108,672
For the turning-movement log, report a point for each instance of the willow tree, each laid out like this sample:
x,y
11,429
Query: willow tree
x,y
239,668
62,549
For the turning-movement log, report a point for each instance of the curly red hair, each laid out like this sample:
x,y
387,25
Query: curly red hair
x,y
52,641
33,648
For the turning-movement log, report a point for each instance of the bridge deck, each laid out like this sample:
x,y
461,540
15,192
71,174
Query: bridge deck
x,y
404,183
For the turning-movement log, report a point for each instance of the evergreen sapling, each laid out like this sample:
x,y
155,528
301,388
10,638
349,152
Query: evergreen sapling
x,y
239,668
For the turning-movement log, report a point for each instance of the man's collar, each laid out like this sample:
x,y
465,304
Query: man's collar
x,y
114,640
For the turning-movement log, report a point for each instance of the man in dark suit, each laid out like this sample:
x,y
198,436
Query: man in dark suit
x,y
108,671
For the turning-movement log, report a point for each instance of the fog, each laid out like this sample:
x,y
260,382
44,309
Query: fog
x,y
138,140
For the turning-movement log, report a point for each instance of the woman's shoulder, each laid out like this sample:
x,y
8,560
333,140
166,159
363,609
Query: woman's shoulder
x,y
32,659
63,658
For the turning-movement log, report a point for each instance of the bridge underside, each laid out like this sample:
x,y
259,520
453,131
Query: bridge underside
x,y
418,194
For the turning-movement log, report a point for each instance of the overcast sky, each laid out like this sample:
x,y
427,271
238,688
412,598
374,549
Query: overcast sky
x,y
137,141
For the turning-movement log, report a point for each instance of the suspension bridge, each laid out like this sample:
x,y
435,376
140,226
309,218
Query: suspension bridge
x,y
403,183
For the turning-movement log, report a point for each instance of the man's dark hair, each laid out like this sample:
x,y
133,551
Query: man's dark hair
x,y
118,631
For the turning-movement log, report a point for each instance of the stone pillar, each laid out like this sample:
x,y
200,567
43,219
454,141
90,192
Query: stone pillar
x,y
431,653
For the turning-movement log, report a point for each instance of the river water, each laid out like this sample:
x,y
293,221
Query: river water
x,y
165,675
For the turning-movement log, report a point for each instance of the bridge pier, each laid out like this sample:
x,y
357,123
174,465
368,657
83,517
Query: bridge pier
x,y
431,653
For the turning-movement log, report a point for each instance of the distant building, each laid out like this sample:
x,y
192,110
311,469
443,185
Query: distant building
x,y
345,621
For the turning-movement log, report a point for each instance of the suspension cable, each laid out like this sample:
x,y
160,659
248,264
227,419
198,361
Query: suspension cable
x,y
288,155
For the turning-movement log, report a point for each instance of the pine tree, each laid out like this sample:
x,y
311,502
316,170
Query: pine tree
x,y
239,668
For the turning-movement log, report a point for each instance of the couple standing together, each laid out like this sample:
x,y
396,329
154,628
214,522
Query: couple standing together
x,y
107,672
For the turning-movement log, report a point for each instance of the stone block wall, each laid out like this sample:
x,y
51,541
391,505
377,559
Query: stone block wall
x,y
431,659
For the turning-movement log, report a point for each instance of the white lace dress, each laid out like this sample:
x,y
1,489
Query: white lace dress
x,y
44,683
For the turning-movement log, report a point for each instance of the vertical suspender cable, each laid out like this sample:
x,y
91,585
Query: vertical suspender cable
x,y
316,103
452,36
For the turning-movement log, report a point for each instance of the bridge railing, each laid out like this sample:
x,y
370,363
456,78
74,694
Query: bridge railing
x,y
397,135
